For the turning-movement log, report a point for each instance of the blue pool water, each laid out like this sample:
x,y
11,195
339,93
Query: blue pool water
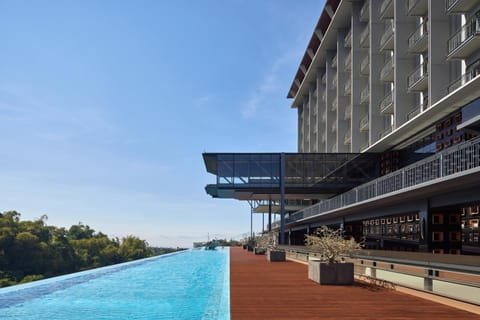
x,y
189,285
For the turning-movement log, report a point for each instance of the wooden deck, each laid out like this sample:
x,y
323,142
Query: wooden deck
x,y
281,290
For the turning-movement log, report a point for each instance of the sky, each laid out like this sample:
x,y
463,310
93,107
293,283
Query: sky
x,y
107,106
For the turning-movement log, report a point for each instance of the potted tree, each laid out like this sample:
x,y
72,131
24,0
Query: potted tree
x,y
331,268
268,242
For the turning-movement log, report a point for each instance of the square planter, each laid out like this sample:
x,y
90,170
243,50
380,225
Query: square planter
x,y
258,250
330,273
244,246
275,255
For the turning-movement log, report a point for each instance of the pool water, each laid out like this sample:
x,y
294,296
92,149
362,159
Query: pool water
x,y
193,284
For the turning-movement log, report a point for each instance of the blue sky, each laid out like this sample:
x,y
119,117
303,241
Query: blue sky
x,y
107,106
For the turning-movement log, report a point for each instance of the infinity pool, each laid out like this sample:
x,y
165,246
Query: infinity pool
x,y
193,284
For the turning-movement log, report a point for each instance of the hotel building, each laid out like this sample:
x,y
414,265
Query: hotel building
x,y
387,96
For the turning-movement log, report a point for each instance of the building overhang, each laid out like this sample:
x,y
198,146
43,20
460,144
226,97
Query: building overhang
x,y
257,176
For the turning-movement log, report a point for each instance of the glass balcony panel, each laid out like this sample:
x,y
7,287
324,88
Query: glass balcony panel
x,y
334,61
348,113
414,112
386,42
386,132
334,104
418,80
348,39
465,41
364,37
365,95
348,62
365,66
462,80
348,87
459,6
387,71
386,106
417,7
364,12
347,138
334,127
418,41
386,9
364,123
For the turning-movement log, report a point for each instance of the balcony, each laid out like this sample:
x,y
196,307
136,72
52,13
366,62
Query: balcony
x,y
385,132
386,106
324,116
334,61
348,62
365,66
386,41
348,39
459,6
334,147
334,127
364,147
324,78
364,37
324,96
347,138
334,104
386,9
418,41
334,81
462,81
348,87
365,11
324,138
418,80
364,123
414,112
365,95
348,113
387,73
417,7
465,41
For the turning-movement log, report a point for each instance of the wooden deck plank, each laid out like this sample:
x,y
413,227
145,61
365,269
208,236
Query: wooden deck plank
x,y
281,290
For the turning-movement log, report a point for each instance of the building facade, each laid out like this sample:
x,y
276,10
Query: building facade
x,y
399,78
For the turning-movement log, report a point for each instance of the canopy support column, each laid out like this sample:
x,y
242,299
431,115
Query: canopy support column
x,y
282,198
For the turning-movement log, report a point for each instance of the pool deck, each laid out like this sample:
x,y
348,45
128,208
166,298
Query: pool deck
x,y
281,290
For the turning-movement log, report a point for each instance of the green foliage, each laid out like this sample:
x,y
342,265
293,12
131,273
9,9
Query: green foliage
x,y
31,250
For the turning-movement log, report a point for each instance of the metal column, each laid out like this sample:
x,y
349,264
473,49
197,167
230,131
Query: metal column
x,y
270,215
282,198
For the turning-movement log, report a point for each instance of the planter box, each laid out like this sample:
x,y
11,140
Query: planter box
x,y
244,246
274,255
331,273
258,250
249,248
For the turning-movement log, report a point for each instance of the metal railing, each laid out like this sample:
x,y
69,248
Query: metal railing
x,y
465,33
387,103
387,68
324,96
364,35
384,6
387,35
348,39
334,127
453,160
365,95
348,112
364,123
334,61
385,132
365,65
324,116
414,112
364,12
334,104
348,86
335,80
419,74
348,61
466,77
324,78
419,34
347,139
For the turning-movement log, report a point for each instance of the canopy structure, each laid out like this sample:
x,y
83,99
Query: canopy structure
x,y
293,176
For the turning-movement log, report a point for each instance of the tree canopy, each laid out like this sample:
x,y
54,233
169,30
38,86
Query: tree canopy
x,y
32,250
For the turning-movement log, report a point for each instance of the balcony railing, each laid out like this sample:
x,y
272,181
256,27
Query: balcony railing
x,y
459,6
348,39
463,36
334,127
365,95
386,41
334,81
386,106
414,112
334,104
324,116
453,160
324,78
364,12
364,123
334,61
364,36
387,71
364,147
348,61
348,87
365,66
386,132
417,42
347,138
417,79
461,81
417,7
324,96
348,113
386,9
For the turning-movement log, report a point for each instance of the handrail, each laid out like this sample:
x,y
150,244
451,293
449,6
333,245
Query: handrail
x,y
364,122
384,6
419,34
387,35
348,86
348,61
365,94
365,33
414,112
364,9
465,33
463,79
455,159
387,68
348,112
348,39
387,102
364,64
417,75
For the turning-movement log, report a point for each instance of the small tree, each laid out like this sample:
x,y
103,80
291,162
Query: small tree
x,y
331,243
267,240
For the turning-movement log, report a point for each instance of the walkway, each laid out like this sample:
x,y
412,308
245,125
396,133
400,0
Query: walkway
x,y
281,290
